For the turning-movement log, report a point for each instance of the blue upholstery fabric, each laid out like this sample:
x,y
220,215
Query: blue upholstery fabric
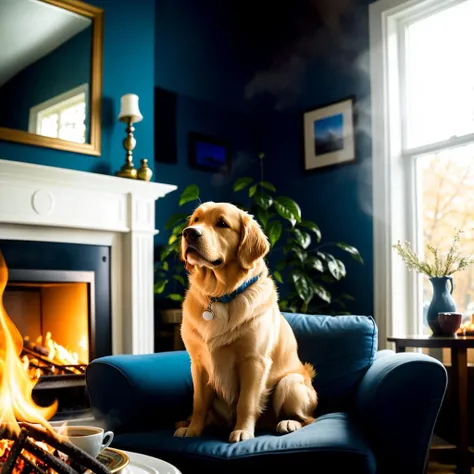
x,y
333,442
341,349
136,392
398,402
377,410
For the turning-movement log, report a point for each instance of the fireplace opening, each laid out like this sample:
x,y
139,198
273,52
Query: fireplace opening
x,y
58,296
54,312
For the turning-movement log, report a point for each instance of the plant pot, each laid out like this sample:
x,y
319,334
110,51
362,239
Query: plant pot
x,y
171,316
441,302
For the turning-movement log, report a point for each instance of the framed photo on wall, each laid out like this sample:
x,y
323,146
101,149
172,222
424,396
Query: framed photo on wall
x,y
208,153
329,135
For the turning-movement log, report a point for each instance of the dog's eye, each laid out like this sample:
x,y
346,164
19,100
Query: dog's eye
x,y
222,224
196,219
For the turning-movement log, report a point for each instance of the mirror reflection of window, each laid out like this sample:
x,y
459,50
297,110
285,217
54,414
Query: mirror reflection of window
x,y
62,116
45,70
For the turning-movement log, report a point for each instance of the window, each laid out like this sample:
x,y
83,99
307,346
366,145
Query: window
x,y
62,116
423,142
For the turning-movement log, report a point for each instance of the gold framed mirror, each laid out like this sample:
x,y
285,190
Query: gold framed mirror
x,y
51,74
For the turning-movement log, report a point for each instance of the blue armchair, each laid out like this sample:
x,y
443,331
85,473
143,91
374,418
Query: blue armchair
x,y
376,414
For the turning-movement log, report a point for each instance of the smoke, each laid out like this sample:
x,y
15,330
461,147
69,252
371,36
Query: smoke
x,y
330,31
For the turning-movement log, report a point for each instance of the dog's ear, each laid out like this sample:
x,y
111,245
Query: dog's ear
x,y
182,250
253,242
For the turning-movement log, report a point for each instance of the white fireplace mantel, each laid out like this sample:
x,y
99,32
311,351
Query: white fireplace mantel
x,y
47,204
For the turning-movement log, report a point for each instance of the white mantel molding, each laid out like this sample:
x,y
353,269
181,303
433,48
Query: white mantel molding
x,y
49,204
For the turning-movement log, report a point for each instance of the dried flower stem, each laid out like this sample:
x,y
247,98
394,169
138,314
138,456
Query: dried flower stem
x,y
439,264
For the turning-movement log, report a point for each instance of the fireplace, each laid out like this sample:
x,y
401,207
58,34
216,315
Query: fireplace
x,y
58,297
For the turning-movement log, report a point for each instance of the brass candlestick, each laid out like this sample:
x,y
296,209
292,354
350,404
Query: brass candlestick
x,y
127,170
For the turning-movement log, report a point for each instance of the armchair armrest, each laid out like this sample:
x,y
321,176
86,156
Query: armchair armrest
x,y
397,403
140,392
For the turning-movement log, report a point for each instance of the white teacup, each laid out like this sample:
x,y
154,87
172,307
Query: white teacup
x,y
90,439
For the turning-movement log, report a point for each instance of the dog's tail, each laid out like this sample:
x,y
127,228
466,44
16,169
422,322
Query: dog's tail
x,y
309,369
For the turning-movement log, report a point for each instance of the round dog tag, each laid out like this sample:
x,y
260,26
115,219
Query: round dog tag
x,y
208,315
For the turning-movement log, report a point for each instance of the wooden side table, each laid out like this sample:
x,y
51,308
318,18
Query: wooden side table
x,y
459,376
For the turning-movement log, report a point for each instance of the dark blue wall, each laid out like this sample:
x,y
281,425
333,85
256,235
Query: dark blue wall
x,y
199,57
338,199
65,68
129,67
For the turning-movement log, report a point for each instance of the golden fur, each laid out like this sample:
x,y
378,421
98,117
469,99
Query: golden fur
x,y
247,355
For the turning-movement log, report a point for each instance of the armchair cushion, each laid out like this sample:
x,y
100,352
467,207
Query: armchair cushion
x,y
133,392
333,443
341,349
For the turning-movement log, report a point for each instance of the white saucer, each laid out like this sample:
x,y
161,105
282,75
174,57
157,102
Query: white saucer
x,y
142,464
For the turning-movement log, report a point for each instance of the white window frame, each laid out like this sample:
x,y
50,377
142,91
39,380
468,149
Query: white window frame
x,y
397,292
60,101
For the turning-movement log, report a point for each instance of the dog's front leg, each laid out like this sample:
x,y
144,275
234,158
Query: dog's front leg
x,y
202,399
253,374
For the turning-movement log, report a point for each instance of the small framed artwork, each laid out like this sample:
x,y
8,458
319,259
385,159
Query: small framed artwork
x,y
208,153
329,135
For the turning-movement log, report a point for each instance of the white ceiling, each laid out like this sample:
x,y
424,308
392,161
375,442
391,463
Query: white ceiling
x,y
29,30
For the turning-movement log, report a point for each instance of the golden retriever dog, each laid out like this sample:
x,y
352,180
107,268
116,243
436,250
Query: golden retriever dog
x,y
243,352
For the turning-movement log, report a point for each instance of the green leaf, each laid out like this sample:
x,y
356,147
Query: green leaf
x,y
288,209
263,200
159,286
352,250
267,185
346,296
165,252
277,276
303,238
295,276
315,263
242,183
173,238
320,291
252,190
312,227
300,253
175,219
191,193
180,279
274,231
179,228
280,265
337,269
165,266
304,288
283,304
262,216
175,297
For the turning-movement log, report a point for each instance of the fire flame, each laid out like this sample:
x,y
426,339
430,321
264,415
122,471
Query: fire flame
x,y
16,387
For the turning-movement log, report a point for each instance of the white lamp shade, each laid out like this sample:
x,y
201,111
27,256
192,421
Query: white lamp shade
x,y
129,108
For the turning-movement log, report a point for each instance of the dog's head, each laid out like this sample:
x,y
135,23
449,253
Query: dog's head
x,y
220,234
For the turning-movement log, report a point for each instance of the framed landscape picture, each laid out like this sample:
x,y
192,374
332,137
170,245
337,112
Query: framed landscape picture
x,y
329,135
208,153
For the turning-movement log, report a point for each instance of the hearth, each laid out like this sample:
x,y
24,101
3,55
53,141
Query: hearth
x,y
58,297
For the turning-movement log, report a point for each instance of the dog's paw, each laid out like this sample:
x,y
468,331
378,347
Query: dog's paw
x,y
288,426
187,432
182,424
240,435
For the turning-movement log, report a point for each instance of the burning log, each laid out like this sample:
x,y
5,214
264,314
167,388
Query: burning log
x,y
26,451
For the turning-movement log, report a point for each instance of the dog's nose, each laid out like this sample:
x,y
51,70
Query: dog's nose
x,y
192,234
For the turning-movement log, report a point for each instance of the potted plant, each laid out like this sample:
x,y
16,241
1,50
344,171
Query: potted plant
x,y
306,271
439,267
